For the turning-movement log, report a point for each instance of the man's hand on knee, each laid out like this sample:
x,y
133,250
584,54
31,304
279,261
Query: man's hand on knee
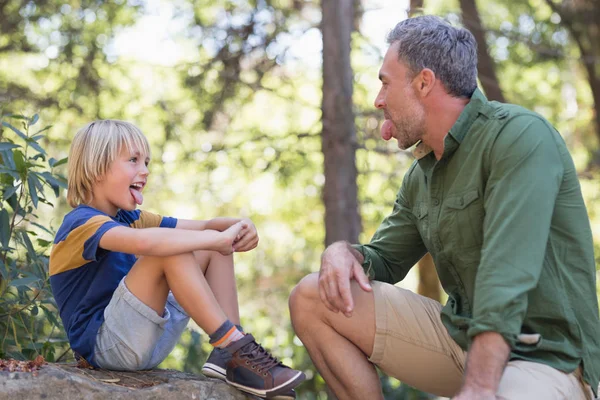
x,y
340,265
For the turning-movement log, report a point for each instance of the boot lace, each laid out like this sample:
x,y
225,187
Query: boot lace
x,y
257,357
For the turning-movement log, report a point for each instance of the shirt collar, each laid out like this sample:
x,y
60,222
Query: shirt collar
x,y
468,115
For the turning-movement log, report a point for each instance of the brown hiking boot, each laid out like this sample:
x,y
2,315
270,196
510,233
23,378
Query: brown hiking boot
x,y
254,370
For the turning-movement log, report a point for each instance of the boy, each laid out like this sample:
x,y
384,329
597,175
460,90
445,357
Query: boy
x,y
127,281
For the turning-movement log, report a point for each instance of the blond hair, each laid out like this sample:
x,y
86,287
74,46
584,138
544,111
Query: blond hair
x,y
94,148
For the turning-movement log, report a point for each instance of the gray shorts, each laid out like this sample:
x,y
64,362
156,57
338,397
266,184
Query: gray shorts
x,y
133,336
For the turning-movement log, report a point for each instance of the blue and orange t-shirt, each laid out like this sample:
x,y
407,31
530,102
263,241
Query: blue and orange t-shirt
x,y
84,276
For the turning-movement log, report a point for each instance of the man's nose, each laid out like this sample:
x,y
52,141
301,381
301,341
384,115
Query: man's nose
x,y
379,101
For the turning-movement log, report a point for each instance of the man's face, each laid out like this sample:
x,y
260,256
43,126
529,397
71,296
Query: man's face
x,y
403,111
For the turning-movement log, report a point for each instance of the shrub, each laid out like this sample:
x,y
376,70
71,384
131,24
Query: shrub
x,y
28,315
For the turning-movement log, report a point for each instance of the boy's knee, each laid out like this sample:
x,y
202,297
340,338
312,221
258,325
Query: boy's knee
x,y
305,294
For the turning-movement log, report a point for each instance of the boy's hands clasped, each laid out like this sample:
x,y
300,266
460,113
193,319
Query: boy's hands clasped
x,y
239,237
247,238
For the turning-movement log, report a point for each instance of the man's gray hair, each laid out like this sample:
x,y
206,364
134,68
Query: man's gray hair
x,y
430,42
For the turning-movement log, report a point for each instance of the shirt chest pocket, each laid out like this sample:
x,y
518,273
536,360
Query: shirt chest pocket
x,y
465,216
420,211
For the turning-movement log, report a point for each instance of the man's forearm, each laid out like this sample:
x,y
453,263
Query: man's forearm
x,y
486,361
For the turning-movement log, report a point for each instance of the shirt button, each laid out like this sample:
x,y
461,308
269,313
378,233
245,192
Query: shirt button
x,y
436,202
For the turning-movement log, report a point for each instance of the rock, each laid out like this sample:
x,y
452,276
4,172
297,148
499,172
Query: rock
x,y
68,382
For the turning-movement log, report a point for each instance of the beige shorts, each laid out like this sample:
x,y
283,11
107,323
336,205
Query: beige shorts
x,y
412,345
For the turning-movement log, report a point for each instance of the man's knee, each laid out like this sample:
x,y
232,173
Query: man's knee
x,y
304,295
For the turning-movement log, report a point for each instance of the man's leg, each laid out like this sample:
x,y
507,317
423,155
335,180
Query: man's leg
x,y
399,331
338,346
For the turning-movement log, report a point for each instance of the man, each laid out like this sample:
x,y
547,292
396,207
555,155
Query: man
x,y
494,197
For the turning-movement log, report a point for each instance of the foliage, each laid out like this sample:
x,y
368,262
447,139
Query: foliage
x,y
234,126
29,323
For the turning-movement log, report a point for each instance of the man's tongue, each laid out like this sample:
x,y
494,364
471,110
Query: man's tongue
x,y
137,196
387,128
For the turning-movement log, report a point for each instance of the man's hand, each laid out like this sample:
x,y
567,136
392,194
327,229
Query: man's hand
x,y
247,238
339,265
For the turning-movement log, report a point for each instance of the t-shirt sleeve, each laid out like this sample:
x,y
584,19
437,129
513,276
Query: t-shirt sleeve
x,y
80,244
145,219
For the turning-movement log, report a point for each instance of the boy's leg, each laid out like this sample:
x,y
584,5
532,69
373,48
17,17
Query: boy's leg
x,y
252,368
219,273
220,276
151,278
399,331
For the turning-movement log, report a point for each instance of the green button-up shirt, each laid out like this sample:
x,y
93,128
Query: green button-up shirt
x,y
503,217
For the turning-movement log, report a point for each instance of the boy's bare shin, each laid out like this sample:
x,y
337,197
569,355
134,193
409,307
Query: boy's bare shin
x,y
151,278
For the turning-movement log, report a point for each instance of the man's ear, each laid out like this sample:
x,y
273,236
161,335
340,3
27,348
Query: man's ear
x,y
425,82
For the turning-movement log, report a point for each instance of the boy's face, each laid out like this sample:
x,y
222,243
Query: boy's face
x,y
121,187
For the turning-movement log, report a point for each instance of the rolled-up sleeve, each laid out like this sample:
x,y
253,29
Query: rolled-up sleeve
x,y
525,175
396,245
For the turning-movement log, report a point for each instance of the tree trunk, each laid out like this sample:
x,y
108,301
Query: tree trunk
x,y
340,193
415,7
485,65
582,20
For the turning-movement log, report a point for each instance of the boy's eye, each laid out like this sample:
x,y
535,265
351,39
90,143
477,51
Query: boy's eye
x,y
133,159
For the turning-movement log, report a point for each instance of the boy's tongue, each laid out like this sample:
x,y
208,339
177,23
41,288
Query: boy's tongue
x,y
137,196
387,129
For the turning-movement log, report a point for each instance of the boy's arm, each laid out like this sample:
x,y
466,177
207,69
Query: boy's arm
x,y
248,237
167,242
216,224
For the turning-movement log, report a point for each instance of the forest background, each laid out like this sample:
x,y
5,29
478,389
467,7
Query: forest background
x,y
257,108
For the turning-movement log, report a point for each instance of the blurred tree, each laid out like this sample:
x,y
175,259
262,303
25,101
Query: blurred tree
x,y
342,220
582,19
485,65
63,43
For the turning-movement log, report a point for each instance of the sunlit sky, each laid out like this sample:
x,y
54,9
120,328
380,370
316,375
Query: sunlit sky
x,y
154,37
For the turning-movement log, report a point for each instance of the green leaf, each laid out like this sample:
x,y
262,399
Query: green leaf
x,y
15,334
20,163
16,116
28,245
34,119
51,317
43,243
3,270
53,181
8,146
10,172
38,137
4,228
8,159
53,163
44,129
32,190
24,281
36,146
15,130
34,311
8,193
43,228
